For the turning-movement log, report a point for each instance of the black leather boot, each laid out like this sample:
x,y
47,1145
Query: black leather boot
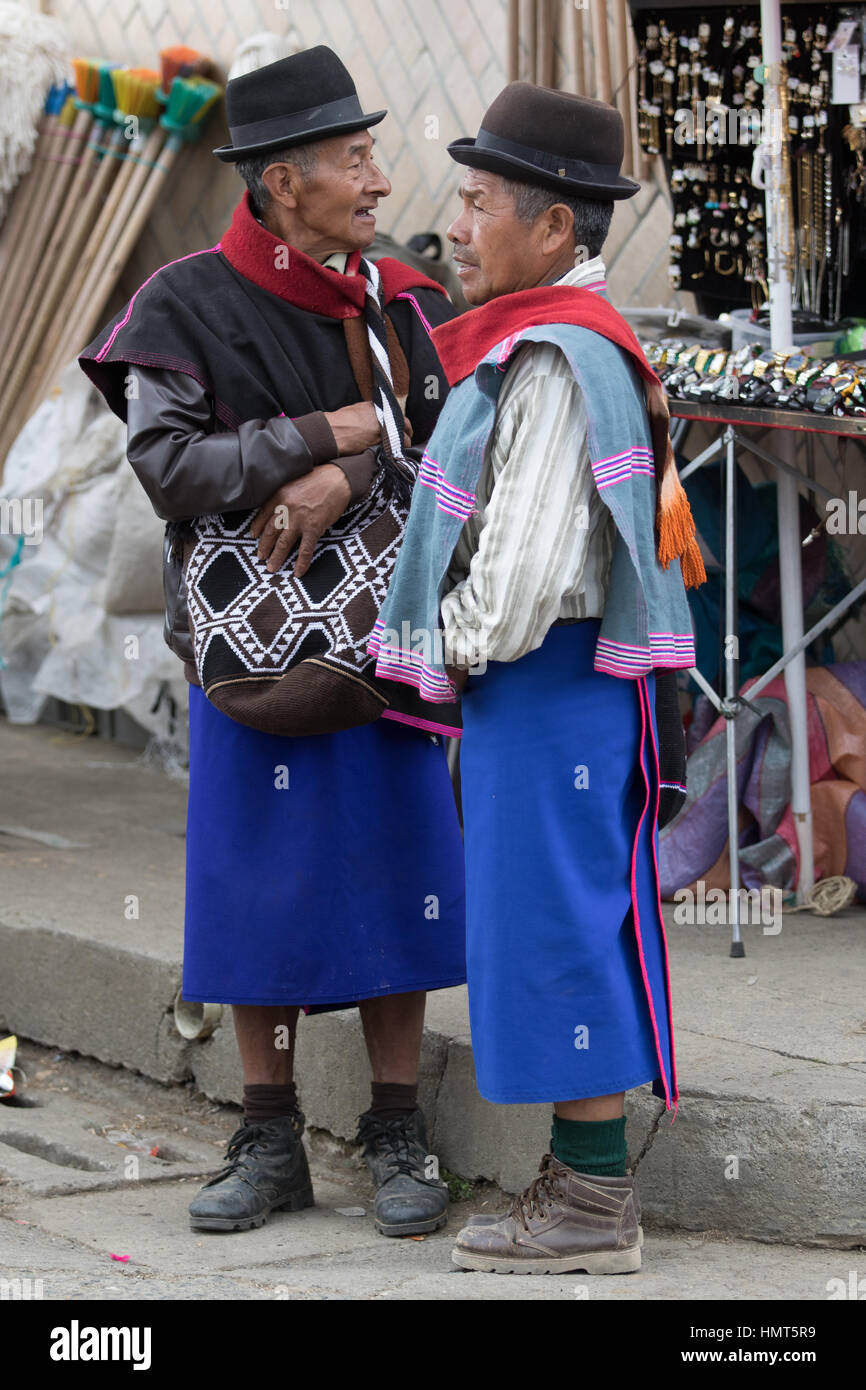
x,y
267,1171
408,1202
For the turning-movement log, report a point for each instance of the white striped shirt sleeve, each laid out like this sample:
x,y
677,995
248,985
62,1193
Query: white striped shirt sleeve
x,y
540,545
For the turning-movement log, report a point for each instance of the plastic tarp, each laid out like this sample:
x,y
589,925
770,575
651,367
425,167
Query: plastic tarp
x,y
67,484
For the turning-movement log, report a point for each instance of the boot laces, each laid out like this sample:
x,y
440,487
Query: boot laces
x,y
537,1197
243,1145
404,1156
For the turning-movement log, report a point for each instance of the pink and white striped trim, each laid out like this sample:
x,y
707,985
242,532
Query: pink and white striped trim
x,y
672,651
674,1085
670,1100
428,725
408,667
208,251
453,500
404,294
621,466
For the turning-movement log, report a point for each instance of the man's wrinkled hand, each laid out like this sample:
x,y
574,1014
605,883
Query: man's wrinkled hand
x,y
299,513
356,428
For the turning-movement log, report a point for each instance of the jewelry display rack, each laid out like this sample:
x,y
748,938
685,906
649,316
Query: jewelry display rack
x,y
791,423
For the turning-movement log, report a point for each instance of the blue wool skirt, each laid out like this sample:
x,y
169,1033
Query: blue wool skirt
x,y
320,870
566,954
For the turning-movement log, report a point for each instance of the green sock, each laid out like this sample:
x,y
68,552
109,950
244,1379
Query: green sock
x,y
590,1146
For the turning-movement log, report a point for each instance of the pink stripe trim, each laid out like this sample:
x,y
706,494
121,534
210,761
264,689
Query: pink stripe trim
x,y
661,914
421,723
209,251
643,716
404,294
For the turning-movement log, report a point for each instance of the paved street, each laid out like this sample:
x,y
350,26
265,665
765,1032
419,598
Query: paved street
x,y
79,1183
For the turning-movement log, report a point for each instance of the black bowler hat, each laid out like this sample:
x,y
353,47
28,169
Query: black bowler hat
x,y
555,139
305,97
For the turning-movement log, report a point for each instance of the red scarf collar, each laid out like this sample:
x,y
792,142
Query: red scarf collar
x,y
283,270
466,341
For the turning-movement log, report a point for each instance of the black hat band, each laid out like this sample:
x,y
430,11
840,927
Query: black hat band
x,y
293,124
578,169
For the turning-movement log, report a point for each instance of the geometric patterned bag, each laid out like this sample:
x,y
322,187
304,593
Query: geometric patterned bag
x,y
289,656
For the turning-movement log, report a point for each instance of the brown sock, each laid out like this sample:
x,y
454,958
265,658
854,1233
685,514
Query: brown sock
x,y
269,1102
391,1098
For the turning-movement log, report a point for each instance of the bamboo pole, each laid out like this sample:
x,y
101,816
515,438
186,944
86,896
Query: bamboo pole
x,y
64,238
623,80
127,229
601,48
15,236
532,39
577,49
60,260
513,40
63,337
38,233
22,196
546,51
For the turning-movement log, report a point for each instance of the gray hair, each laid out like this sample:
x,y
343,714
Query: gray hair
x,y
304,157
591,219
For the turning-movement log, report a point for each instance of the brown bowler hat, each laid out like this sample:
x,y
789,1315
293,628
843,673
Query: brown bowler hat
x,y
551,138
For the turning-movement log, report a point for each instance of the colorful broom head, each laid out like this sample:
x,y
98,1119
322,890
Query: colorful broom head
x,y
135,94
189,101
68,112
86,81
180,61
55,98
103,107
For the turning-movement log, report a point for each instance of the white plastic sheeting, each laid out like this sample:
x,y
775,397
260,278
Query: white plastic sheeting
x,y
56,637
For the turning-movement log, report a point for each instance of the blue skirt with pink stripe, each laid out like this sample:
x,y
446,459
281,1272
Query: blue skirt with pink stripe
x,y
566,956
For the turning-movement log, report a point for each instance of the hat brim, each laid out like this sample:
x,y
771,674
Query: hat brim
x,y
230,154
510,166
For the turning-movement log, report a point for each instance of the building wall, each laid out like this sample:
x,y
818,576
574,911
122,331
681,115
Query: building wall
x,y
435,64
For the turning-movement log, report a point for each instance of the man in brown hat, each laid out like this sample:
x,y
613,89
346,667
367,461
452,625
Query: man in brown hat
x,y
532,549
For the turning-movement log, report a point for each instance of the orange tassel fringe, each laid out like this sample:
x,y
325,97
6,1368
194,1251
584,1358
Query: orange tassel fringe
x,y
676,530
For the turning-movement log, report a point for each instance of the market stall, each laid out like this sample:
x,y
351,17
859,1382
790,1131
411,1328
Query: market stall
x,y
756,114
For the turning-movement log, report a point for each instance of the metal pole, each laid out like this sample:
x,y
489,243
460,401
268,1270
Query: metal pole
x,y
787,496
791,582
808,638
732,686
777,205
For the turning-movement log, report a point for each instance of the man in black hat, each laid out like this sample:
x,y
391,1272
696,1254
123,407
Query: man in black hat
x,y
245,374
533,549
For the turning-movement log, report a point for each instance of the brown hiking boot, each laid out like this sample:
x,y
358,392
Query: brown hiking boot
x,y
563,1221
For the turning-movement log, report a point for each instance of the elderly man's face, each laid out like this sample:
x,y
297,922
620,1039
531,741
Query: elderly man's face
x,y
334,207
494,251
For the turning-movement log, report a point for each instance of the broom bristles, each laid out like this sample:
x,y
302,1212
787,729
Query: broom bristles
x,y
103,108
178,61
188,101
86,79
56,97
68,113
135,92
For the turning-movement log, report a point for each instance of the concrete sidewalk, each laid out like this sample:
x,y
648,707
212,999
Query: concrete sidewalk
x,y
771,1049
84,1217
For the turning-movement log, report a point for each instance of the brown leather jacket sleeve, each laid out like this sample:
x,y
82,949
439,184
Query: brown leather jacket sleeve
x,y
188,469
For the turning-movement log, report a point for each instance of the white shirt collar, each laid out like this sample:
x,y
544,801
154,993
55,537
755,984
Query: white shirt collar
x,y
587,275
